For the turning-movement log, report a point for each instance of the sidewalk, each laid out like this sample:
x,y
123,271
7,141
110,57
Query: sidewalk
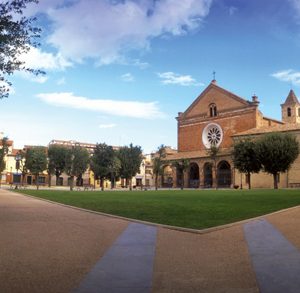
x,y
45,247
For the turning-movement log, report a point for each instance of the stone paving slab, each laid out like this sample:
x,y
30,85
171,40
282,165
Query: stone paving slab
x,y
128,264
275,260
288,223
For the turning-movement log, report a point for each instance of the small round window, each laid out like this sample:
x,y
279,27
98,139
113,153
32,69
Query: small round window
x,y
212,135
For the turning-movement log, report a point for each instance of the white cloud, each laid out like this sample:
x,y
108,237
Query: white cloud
x,y
132,109
41,78
108,29
289,75
104,126
173,78
127,77
36,59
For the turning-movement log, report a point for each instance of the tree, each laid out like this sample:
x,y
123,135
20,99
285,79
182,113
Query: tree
x,y
245,158
102,162
114,170
22,164
130,159
213,153
3,153
277,152
181,166
17,36
77,160
57,155
36,162
158,163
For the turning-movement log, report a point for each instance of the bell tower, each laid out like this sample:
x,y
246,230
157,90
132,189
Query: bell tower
x,y
290,109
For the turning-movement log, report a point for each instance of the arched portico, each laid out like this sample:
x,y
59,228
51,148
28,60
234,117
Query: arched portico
x,y
194,178
224,174
208,175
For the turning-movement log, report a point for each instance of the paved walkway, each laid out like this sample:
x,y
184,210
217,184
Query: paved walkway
x,y
45,247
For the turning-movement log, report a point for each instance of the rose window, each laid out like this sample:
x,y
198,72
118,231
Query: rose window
x,y
212,135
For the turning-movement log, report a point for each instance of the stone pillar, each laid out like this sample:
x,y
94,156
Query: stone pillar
x,y
186,178
214,175
201,175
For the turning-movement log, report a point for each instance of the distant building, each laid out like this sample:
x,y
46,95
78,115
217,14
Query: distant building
x,y
13,171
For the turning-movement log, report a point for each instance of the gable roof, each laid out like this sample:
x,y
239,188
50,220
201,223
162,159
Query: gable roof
x,y
291,99
213,85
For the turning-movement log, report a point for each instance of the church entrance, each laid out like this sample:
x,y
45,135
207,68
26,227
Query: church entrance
x,y
208,177
224,174
194,176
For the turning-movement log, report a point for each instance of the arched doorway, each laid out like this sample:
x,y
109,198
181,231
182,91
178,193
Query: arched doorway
x,y
194,176
224,174
179,177
208,177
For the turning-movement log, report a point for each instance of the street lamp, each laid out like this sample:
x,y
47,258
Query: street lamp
x,y
18,158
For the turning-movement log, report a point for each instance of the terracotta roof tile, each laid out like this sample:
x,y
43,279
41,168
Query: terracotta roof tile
x,y
277,128
291,99
194,154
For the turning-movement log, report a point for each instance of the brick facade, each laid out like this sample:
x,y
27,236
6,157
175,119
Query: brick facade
x,y
233,117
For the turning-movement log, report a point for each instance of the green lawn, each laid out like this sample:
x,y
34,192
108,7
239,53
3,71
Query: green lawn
x,y
188,208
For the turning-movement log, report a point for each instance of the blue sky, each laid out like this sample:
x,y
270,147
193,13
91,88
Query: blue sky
x,y
120,71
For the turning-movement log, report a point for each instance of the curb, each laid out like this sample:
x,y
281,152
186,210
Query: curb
x,y
181,229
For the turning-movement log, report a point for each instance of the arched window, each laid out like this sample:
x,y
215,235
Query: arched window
x,y
289,112
213,110
298,111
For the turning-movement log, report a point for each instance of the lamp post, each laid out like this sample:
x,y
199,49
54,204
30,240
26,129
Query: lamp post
x,y
18,158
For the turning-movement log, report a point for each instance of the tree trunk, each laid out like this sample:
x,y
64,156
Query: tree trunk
x,y
49,180
71,183
275,181
156,181
102,184
130,184
249,180
0,179
37,181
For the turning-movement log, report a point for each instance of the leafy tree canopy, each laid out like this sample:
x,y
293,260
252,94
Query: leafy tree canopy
x,y
131,159
3,152
57,159
36,160
245,157
103,161
277,152
17,35
158,163
77,160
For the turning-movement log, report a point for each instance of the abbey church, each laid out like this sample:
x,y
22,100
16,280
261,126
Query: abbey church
x,y
219,117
